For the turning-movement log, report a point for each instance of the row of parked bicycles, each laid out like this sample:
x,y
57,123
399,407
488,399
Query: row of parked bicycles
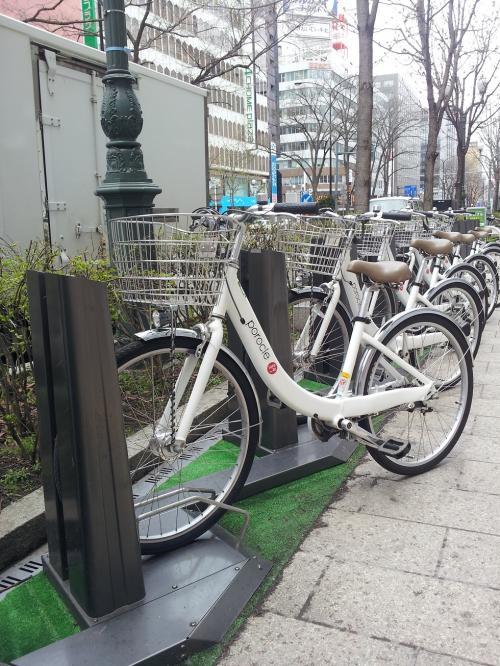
x,y
386,314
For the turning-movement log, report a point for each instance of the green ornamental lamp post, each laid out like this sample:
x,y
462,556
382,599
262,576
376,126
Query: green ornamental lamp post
x,y
126,188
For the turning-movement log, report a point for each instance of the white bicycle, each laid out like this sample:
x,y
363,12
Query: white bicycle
x,y
190,409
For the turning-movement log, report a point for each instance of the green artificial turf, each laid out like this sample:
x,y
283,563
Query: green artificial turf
x,y
313,386
213,460
33,615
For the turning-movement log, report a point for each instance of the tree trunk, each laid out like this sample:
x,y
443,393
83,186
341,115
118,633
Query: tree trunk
x,y
365,105
431,155
496,188
459,185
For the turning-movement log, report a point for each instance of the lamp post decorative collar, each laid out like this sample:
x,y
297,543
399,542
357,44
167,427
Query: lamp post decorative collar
x,y
126,188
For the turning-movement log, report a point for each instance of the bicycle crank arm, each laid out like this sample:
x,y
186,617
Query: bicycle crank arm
x,y
393,447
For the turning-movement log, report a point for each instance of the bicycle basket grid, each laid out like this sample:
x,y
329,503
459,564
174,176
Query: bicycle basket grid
x,y
373,237
159,262
313,247
405,232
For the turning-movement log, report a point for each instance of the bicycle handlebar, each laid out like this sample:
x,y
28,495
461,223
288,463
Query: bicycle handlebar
x,y
305,208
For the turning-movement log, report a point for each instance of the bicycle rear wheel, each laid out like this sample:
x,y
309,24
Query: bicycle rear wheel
x,y
432,428
171,487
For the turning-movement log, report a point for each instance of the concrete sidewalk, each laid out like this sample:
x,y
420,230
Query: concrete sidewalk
x,y
402,571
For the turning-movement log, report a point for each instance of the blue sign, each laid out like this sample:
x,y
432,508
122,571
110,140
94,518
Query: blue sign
x,y
306,196
226,202
274,177
410,190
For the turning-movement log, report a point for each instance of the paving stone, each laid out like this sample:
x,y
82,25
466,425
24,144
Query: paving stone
x,y
425,658
486,407
471,558
299,578
271,640
423,503
477,447
479,476
438,615
487,426
446,475
347,536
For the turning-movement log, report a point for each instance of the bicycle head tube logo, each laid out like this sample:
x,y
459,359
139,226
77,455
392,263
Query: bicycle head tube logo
x,y
272,368
258,340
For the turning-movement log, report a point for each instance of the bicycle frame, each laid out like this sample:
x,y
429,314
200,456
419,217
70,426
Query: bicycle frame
x,y
333,408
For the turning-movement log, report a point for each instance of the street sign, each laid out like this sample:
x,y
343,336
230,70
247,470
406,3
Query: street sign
x,y
306,196
89,23
410,190
478,213
274,174
226,202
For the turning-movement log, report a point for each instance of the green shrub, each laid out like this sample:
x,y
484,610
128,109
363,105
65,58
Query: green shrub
x,y
18,419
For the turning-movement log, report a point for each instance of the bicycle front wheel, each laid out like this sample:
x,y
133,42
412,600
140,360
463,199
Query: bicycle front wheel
x,y
486,266
306,312
171,487
433,344
460,301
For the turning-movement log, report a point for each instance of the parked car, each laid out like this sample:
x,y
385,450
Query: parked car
x,y
385,204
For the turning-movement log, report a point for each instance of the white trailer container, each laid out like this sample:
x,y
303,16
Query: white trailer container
x,y
53,150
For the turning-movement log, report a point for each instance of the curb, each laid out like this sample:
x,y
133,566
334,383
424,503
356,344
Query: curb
x,y
22,528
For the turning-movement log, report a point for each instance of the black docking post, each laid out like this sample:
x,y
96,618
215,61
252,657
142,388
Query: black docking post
x,y
94,556
293,452
263,278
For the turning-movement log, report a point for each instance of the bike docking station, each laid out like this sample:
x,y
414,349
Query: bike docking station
x,y
289,450
132,609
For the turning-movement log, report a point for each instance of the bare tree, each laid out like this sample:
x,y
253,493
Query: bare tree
x,y
490,137
310,114
469,108
211,39
344,110
432,35
366,16
58,16
474,188
396,128
447,176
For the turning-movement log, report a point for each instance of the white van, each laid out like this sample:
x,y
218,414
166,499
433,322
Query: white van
x,y
385,204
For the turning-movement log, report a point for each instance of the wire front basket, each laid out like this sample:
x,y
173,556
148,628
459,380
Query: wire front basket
x,y
405,232
161,262
373,238
313,245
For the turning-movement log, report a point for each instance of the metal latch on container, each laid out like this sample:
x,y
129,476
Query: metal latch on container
x,y
57,205
50,59
52,121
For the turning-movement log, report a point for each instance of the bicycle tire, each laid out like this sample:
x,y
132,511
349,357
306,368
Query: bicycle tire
x,y
131,356
486,266
474,307
475,278
421,318
492,251
326,369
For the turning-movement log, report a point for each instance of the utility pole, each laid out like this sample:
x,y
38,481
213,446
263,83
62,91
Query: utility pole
x,y
330,155
126,188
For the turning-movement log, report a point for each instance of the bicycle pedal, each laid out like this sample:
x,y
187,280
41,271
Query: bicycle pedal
x,y
395,448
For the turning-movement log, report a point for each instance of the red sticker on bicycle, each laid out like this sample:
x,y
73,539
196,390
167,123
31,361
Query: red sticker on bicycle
x,y
272,368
